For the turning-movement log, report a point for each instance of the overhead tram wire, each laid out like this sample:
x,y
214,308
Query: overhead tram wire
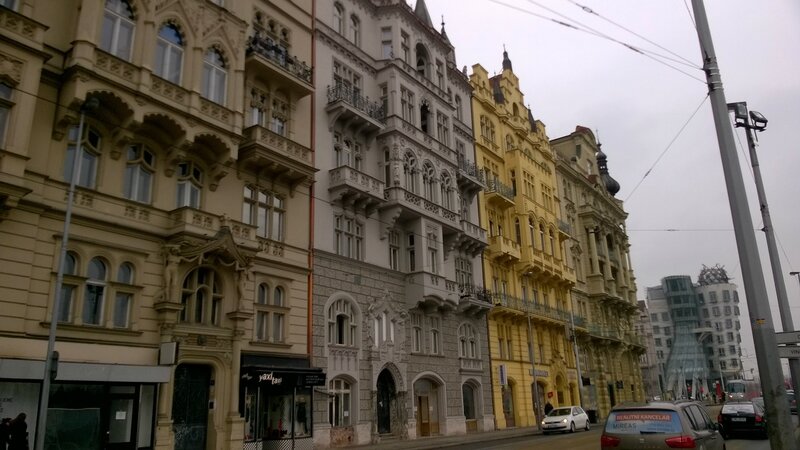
x,y
588,30
593,12
668,147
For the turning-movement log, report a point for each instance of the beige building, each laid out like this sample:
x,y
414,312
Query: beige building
x,y
604,294
183,319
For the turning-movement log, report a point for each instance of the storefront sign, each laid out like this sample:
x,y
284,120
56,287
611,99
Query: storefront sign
x,y
542,373
282,378
269,378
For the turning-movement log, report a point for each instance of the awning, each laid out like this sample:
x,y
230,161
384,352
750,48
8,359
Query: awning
x,y
25,369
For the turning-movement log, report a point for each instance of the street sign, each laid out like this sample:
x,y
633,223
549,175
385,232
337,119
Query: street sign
x,y
788,337
788,352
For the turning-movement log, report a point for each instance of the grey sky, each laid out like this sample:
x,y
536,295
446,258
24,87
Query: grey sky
x,y
638,105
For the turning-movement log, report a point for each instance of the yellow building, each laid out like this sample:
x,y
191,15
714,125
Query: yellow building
x,y
183,319
524,265
604,294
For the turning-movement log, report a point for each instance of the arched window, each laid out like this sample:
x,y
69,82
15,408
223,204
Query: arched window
x,y
459,112
552,242
169,54
509,143
201,297
124,298
532,229
541,238
517,231
423,60
215,76
89,155
139,173
342,324
467,339
339,402
410,172
94,296
445,188
338,18
429,182
468,393
68,288
118,26
271,313
190,185
355,30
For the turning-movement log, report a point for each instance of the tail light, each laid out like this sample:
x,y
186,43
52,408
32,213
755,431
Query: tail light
x,y
680,442
759,419
608,441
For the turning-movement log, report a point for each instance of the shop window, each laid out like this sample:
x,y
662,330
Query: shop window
x,y
118,27
339,402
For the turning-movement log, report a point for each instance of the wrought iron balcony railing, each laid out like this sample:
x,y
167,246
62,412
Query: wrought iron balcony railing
x,y
497,186
265,46
353,97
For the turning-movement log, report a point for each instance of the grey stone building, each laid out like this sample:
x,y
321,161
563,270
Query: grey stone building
x,y
399,315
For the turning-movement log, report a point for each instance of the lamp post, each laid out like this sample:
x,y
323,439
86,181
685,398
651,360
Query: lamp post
x,y
759,123
51,358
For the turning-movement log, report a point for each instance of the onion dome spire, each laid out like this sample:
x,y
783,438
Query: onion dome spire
x,y
506,61
611,185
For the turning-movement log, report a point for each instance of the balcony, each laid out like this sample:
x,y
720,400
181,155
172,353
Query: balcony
x,y
499,194
353,187
473,300
266,54
272,155
189,222
348,106
430,291
503,249
605,332
415,206
473,238
470,177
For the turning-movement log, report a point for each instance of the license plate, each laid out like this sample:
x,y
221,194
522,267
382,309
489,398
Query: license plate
x,y
738,419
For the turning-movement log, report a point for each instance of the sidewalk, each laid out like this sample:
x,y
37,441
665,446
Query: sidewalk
x,y
452,441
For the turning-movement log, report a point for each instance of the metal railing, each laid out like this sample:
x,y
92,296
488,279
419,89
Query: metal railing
x,y
341,92
265,46
497,186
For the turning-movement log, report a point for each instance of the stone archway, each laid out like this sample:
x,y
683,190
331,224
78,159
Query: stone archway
x,y
386,402
428,405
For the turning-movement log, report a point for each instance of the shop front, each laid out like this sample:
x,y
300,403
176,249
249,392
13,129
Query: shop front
x,y
276,402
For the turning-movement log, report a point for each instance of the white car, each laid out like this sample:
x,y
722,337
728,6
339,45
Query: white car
x,y
566,418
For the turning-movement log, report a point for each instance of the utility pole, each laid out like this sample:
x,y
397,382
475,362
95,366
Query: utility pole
x,y
759,124
781,429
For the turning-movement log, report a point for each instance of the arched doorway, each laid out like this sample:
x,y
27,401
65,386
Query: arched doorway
x,y
508,404
426,401
469,399
190,406
387,395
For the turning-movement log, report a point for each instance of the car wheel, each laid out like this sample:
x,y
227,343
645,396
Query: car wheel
x,y
572,427
545,433
587,425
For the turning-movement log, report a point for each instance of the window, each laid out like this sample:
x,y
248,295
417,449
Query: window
x,y
169,54
410,172
89,155
440,74
436,336
446,186
463,272
728,324
411,254
6,92
394,250
271,313
664,316
416,332
339,402
459,110
728,310
433,253
10,4
124,298
349,237
201,298
712,297
405,47
429,182
668,331
139,173
384,88
68,288
94,296
346,152
715,311
118,25
658,341
407,105
386,42
422,60
468,346
342,323
442,128
338,18
214,76
265,210
190,185
656,329
355,30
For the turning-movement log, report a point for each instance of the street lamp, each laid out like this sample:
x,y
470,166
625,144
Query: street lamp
x,y
51,359
759,123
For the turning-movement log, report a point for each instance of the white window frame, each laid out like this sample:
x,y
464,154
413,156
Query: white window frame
x,y
139,174
266,210
169,55
114,21
190,185
215,76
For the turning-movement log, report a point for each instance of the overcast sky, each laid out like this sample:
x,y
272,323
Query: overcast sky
x,y
679,215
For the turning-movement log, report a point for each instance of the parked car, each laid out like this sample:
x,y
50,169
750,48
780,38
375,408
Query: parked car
x,y
743,417
657,425
566,418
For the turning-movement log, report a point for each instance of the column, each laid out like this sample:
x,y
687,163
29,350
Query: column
x,y
593,251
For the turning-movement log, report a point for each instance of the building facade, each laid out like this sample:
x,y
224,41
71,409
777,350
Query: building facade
x,y
399,317
648,361
183,313
525,264
696,332
604,294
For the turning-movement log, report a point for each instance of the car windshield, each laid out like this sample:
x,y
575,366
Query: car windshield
x,y
733,408
649,421
560,412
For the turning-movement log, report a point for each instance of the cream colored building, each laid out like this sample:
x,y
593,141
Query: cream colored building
x,y
525,265
604,294
184,315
